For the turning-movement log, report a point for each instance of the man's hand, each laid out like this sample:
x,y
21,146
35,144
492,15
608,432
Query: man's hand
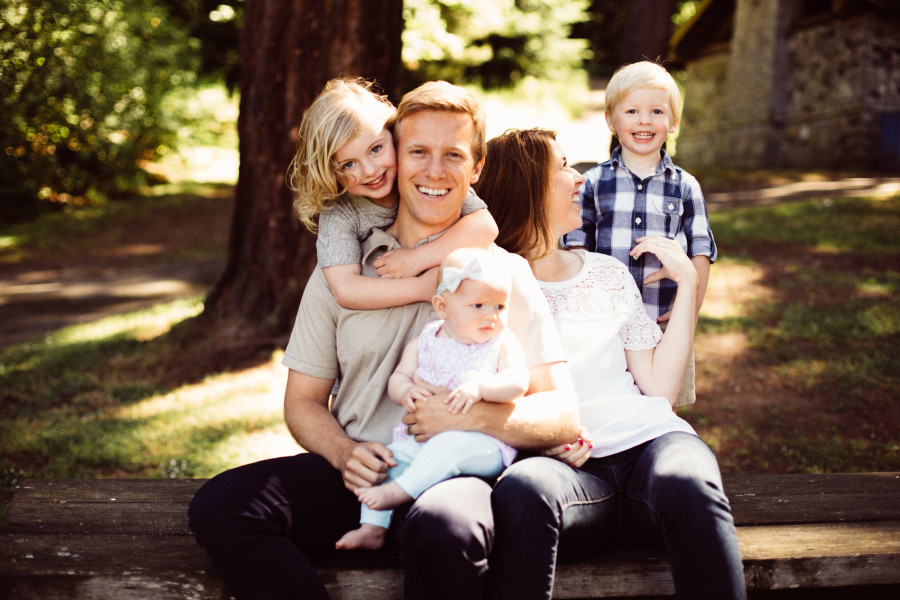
x,y
432,417
366,465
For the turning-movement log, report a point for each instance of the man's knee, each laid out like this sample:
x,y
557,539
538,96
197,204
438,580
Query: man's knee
x,y
450,517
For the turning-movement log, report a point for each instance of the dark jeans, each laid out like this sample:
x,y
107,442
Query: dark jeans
x,y
259,522
668,489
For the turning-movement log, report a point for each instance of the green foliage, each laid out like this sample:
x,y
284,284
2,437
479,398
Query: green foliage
x,y
80,89
494,44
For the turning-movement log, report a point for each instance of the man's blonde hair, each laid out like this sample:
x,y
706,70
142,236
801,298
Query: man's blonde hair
x,y
642,75
440,95
332,120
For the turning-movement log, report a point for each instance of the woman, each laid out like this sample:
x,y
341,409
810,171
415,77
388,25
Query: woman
x,y
638,473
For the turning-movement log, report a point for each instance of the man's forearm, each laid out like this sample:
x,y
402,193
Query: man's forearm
x,y
310,422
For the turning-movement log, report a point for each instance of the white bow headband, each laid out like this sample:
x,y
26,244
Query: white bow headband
x,y
451,277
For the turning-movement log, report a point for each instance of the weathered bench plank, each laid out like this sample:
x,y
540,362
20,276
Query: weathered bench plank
x,y
128,539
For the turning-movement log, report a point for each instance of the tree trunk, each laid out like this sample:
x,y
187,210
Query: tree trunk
x,y
289,49
646,30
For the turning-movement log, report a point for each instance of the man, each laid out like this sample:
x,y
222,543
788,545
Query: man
x,y
258,522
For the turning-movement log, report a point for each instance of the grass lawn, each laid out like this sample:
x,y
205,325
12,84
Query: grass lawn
x,y
798,354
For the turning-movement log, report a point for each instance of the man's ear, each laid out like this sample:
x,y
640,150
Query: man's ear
x,y
476,172
440,305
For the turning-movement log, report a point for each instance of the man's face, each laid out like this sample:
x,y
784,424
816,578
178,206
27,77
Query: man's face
x,y
435,166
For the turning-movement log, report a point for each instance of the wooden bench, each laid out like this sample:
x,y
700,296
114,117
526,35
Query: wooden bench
x,y
128,539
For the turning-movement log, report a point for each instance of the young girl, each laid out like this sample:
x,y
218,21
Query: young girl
x,y
470,352
344,172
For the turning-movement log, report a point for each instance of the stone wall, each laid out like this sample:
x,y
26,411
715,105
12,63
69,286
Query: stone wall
x,y
845,75
792,94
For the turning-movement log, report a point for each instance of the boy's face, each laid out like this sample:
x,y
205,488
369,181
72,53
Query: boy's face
x,y
642,120
367,164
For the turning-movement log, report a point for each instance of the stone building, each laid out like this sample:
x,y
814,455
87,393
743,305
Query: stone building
x,y
808,84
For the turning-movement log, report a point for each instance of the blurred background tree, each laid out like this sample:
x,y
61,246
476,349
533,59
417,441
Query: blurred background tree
x,y
80,89
492,44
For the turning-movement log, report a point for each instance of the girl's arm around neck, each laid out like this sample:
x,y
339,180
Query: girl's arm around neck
x,y
351,289
475,230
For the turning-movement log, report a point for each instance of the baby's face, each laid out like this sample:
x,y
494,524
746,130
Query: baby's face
x,y
367,164
476,312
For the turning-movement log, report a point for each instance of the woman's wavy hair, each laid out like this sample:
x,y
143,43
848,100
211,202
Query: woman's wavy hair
x,y
514,184
333,118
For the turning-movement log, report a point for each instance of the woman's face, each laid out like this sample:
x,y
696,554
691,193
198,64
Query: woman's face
x,y
562,207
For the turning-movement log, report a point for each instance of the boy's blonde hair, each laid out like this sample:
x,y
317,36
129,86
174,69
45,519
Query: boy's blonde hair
x,y
333,118
640,75
440,95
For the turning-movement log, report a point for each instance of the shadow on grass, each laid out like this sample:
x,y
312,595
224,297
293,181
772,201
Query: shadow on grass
x,y
815,389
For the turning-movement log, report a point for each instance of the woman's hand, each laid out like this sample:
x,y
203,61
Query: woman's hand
x,y
675,263
574,454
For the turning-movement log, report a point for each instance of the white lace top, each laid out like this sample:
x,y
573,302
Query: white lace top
x,y
599,314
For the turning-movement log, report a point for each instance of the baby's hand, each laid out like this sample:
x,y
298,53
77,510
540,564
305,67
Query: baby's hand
x,y
415,393
396,263
462,398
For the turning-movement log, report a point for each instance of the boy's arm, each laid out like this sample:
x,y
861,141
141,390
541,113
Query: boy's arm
x,y
701,263
476,229
355,291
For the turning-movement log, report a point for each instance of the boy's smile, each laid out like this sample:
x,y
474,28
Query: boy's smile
x,y
642,120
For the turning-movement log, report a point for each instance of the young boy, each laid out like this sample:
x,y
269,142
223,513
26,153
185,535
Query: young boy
x,y
640,192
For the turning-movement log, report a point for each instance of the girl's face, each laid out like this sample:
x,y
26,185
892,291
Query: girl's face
x,y
367,164
561,206
475,312
642,120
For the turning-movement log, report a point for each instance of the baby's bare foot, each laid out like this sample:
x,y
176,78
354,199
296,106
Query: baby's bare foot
x,y
383,497
367,537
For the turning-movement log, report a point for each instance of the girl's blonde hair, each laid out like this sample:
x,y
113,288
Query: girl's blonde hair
x,y
333,118
641,75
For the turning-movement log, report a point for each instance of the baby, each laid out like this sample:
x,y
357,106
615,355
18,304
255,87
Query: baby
x,y
468,351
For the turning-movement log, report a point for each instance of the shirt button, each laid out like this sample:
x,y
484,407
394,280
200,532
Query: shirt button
x,y
638,220
640,187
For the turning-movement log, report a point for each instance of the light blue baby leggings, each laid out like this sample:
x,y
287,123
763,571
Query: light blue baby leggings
x,y
446,455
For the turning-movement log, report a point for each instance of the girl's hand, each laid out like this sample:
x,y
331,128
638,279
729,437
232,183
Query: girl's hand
x,y
462,398
675,263
413,394
575,454
397,263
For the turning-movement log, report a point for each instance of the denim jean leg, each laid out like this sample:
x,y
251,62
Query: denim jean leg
x,y
541,507
676,485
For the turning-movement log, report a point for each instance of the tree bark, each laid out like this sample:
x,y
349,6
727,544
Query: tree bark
x,y
645,31
289,49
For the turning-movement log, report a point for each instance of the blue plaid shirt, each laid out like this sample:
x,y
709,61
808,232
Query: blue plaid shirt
x,y
617,207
